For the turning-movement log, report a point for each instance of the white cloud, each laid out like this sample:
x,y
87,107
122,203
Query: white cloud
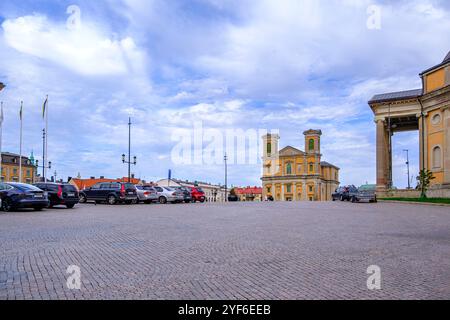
x,y
85,50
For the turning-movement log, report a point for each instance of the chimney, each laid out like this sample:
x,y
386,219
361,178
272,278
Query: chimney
x,y
102,177
92,178
132,176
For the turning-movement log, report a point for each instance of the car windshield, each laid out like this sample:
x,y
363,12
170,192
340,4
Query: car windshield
x,y
159,189
25,187
168,189
140,188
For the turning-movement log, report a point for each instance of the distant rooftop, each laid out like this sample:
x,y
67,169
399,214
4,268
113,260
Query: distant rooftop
x,y
392,96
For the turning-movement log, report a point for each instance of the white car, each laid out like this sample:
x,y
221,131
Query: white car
x,y
167,194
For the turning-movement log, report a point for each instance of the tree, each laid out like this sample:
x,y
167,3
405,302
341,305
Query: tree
x,y
424,181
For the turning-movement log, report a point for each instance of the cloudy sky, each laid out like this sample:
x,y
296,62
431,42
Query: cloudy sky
x,y
289,65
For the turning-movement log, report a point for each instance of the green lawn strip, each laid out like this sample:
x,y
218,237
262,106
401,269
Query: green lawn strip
x,y
424,200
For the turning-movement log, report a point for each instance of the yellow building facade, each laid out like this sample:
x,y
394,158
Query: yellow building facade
x,y
290,174
10,168
426,110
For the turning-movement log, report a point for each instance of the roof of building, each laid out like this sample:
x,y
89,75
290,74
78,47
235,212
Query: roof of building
x,y
327,164
400,95
447,58
248,190
444,62
289,151
13,155
86,183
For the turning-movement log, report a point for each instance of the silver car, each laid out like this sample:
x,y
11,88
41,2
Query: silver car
x,y
167,194
147,194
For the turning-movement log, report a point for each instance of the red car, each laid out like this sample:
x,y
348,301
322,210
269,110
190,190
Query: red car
x,y
197,194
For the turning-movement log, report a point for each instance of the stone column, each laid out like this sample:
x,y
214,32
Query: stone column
x,y
382,156
446,147
282,192
304,191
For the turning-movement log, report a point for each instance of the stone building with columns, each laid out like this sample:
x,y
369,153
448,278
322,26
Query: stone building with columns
x,y
426,110
290,174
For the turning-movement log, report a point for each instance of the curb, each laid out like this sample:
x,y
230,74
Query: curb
x,y
420,203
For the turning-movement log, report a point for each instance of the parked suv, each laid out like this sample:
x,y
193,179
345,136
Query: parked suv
x,y
197,195
110,192
60,194
20,195
337,195
147,194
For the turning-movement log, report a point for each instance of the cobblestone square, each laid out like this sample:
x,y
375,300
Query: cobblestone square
x,y
297,250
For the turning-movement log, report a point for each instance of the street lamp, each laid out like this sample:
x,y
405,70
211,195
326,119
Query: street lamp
x,y
407,164
129,162
225,158
44,167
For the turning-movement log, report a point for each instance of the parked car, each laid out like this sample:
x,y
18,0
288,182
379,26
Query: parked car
x,y
338,194
167,194
60,194
147,194
197,194
110,192
364,193
187,197
233,198
20,195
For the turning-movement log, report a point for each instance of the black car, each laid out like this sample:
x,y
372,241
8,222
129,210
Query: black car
x,y
339,194
110,192
60,194
186,193
20,195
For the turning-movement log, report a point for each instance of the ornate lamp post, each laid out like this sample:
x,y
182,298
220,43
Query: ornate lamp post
x,y
44,167
129,153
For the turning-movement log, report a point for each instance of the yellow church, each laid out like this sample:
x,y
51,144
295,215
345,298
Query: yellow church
x,y
290,174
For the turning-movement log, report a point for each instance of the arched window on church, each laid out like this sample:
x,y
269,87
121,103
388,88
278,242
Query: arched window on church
x,y
437,161
311,144
288,168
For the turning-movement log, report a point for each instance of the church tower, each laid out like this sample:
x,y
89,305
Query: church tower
x,y
312,141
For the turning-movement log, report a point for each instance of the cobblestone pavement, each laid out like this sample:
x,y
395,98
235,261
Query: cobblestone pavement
x,y
227,251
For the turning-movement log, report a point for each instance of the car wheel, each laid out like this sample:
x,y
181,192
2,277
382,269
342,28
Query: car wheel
x,y
162,200
7,205
83,198
70,206
353,199
202,201
135,201
112,200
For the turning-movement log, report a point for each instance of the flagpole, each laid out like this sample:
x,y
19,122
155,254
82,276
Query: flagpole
x,y
46,136
20,148
1,137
